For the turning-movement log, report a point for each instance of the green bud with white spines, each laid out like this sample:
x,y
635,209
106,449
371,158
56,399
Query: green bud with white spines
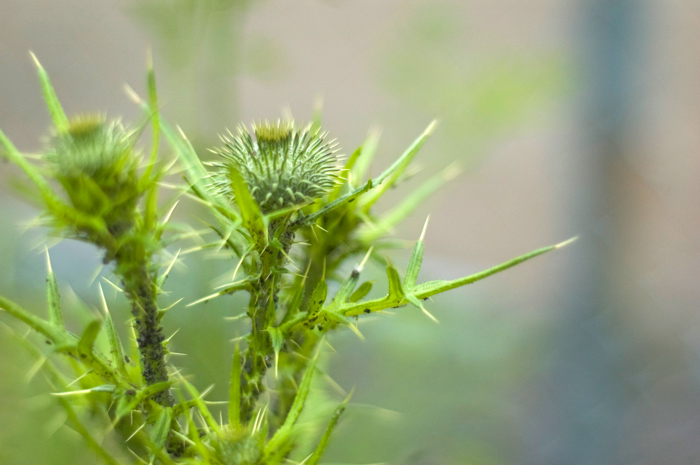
x,y
95,162
282,166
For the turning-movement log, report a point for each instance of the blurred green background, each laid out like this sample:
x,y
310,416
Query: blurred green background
x,y
566,116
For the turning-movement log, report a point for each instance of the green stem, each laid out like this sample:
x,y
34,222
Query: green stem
x,y
261,310
141,291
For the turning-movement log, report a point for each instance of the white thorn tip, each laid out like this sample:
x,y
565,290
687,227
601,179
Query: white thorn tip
x,y
425,228
364,260
565,243
102,298
431,127
48,260
428,314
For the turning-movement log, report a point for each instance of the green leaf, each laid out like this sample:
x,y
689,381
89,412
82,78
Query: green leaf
x,y
347,287
30,170
250,212
55,110
115,344
349,197
288,325
63,341
346,173
415,261
414,265
361,291
155,111
55,335
284,434
413,300
277,339
151,185
195,173
130,399
201,405
87,340
414,199
392,174
316,456
159,434
396,292
53,298
318,298
192,430
297,298
369,149
436,287
234,392
54,203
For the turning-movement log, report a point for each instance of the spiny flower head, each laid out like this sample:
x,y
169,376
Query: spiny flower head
x,y
283,166
95,162
92,147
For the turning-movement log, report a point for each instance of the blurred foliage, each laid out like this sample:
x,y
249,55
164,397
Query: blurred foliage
x,y
204,41
429,63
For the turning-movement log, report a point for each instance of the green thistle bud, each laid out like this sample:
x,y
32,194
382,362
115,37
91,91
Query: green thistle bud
x,y
282,166
96,164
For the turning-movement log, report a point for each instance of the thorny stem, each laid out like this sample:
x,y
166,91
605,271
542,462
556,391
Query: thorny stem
x,y
140,290
261,310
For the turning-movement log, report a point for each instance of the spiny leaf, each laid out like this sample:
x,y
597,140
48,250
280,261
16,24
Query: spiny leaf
x,y
391,175
277,339
55,110
436,287
369,149
413,300
284,434
55,335
337,317
316,456
297,297
115,343
102,388
87,340
346,174
56,379
250,212
62,340
318,297
431,288
349,197
361,291
415,261
162,426
155,111
396,292
201,405
53,298
192,430
54,203
347,287
414,199
130,399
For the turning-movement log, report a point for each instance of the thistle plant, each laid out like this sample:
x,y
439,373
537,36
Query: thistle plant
x,y
287,215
